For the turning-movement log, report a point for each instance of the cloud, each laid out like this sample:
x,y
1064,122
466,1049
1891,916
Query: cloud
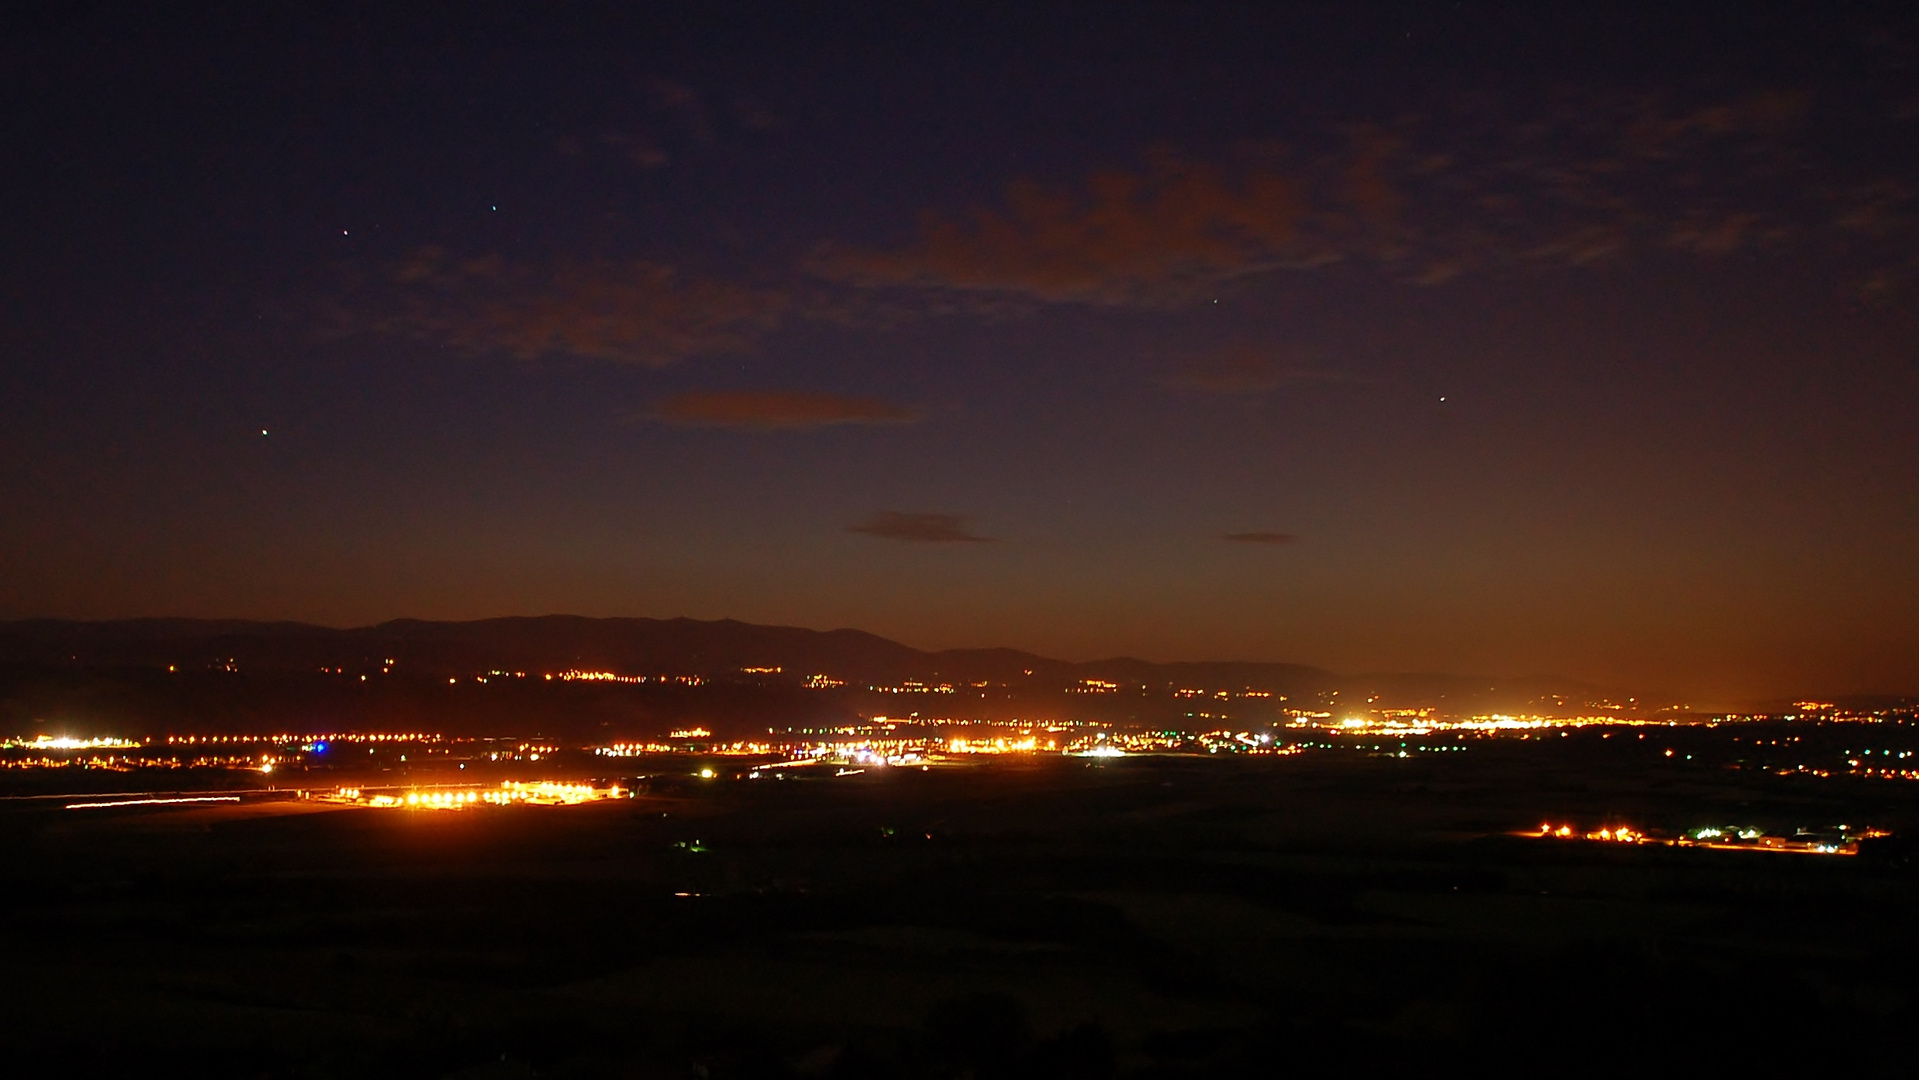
x,y
633,312
687,107
1269,538
1251,371
919,528
1120,237
768,410
1468,184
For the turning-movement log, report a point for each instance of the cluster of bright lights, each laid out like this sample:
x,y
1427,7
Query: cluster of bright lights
x,y
857,751
614,677
876,754
912,686
1614,834
307,742
1228,695
873,754
1120,743
1424,722
1726,837
1888,774
525,751
634,749
742,748
544,793
1240,742
1729,832
597,676
442,800
1804,770
491,675
65,742
997,745
110,762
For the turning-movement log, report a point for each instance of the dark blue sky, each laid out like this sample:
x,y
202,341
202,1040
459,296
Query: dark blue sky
x,y
1464,337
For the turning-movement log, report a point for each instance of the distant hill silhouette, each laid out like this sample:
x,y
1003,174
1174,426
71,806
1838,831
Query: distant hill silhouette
x,y
553,643
151,675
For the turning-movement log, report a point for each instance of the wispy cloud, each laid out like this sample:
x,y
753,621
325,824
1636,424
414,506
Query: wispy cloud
x,y
1463,187
634,312
1268,538
1120,237
1466,186
919,528
1251,371
771,410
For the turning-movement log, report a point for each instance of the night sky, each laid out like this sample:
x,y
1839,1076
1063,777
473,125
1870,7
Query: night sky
x,y
1527,339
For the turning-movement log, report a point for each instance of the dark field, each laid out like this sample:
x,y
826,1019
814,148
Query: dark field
x,y
1319,914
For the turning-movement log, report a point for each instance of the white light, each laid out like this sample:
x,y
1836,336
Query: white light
x,y
152,802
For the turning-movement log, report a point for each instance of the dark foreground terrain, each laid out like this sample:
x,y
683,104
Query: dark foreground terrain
x,y
1312,915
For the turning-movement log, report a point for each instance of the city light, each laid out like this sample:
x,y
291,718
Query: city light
x,y
64,742
1841,840
508,793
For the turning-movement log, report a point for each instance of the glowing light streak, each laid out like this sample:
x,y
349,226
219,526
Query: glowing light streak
x,y
152,802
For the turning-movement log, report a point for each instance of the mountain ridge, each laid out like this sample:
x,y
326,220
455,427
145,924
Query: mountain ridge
x,y
677,646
